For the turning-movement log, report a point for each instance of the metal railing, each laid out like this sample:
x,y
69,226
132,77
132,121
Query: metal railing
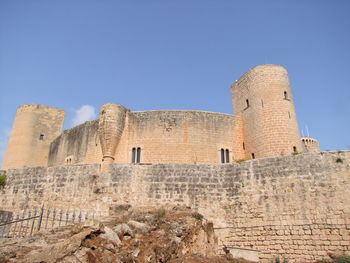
x,y
27,222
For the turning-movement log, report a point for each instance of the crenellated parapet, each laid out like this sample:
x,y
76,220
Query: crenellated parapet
x,y
310,144
110,128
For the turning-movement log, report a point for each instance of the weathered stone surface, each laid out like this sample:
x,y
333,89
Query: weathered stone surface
x,y
293,206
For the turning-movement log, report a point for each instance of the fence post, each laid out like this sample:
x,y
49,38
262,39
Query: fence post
x,y
40,217
33,223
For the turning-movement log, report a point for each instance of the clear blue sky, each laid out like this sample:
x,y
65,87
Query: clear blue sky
x,y
160,54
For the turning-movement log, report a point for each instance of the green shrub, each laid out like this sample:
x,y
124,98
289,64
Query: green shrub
x,y
342,259
198,216
2,180
160,213
339,160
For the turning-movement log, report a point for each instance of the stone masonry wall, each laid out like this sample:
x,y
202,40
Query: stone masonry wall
x,y
34,128
295,207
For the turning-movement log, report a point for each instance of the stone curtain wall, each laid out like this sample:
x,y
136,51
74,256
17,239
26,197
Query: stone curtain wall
x,y
294,206
79,144
163,136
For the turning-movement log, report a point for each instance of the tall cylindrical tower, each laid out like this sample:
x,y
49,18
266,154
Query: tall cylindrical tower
x,y
263,98
110,129
34,128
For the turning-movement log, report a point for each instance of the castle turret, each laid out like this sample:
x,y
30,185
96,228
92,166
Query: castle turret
x,y
263,98
34,128
110,128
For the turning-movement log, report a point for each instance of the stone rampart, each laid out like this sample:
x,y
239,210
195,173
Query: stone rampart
x,y
295,207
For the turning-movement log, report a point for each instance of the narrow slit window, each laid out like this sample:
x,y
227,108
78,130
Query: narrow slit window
x,y
262,103
41,137
247,102
138,158
289,115
227,155
294,149
133,156
253,156
243,146
285,95
222,155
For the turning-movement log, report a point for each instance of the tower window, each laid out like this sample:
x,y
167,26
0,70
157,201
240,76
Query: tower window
x,y
136,155
294,149
41,137
225,155
289,114
285,95
243,146
253,156
247,103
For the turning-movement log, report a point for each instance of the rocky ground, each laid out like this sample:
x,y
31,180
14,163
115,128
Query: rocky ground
x,y
164,235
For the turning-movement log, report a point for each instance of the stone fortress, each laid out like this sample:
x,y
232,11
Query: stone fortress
x,y
264,125
239,170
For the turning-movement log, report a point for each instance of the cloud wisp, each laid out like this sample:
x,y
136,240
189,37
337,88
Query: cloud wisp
x,y
83,114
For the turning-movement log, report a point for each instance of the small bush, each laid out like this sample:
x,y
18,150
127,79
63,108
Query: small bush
x,y
339,160
2,180
160,213
342,259
198,216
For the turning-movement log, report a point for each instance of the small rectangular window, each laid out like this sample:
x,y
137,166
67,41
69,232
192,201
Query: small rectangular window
x,y
41,137
133,156
138,159
253,156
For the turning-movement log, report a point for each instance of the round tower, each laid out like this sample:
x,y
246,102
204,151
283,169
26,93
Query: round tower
x,y
263,98
34,128
110,129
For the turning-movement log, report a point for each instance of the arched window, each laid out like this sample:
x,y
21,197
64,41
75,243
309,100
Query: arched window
x,y
294,149
225,155
222,155
285,95
136,155
253,156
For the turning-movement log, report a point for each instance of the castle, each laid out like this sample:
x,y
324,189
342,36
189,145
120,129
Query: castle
x,y
291,206
264,125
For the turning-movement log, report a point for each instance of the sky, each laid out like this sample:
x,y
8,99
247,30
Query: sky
x,y
159,54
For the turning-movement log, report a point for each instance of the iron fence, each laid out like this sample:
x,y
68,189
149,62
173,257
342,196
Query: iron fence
x,y
27,222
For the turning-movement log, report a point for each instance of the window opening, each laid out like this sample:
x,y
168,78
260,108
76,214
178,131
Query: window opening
x,y
227,156
289,115
253,156
41,137
294,149
285,95
222,156
262,103
133,156
138,159
247,102
243,146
